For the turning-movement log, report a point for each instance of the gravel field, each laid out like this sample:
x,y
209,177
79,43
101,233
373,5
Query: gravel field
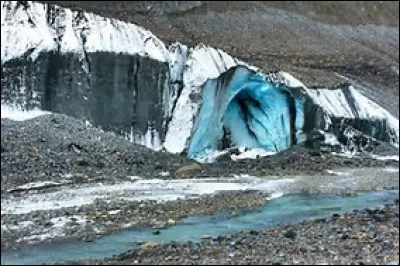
x,y
51,147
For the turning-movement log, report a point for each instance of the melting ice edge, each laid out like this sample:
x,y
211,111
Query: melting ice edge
x,y
196,100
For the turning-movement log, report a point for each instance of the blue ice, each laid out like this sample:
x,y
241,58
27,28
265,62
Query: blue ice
x,y
256,113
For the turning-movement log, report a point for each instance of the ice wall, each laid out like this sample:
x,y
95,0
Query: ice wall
x,y
247,109
196,100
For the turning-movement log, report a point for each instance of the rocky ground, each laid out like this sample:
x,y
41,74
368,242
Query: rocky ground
x,y
367,237
89,221
50,147
56,158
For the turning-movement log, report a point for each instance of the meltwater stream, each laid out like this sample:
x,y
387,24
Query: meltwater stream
x,y
292,208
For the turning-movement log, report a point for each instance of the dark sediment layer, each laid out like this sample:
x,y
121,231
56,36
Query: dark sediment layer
x,y
115,91
312,40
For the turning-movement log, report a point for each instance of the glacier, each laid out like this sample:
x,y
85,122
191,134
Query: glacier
x,y
242,108
199,101
245,108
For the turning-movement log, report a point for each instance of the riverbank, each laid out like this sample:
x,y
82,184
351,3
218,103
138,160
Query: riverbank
x,y
366,237
286,210
43,212
89,221
62,179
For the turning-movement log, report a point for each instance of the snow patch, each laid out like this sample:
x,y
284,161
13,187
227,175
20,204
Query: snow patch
x,y
134,177
25,223
252,154
348,154
391,170
17,114
59,222
164,174
155,189
330,139
209,156
338,173
386,157
113,212
275,195
271,186
36,185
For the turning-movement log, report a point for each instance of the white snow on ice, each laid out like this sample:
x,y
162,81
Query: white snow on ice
x,y
101,33
18,35
202,63
335,104
113,212
150,139
252,154
291,81
209,156
28,30
330,138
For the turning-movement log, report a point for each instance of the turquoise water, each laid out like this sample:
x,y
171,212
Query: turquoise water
x,y
287,209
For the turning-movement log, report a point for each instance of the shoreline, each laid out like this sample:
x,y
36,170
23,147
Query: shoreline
x,y
88,222
369,236
36,214
376,225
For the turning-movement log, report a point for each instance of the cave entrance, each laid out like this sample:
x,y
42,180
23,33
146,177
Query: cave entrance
x,y
259,117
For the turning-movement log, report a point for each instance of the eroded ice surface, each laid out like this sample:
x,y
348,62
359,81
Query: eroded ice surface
x,y
204,102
